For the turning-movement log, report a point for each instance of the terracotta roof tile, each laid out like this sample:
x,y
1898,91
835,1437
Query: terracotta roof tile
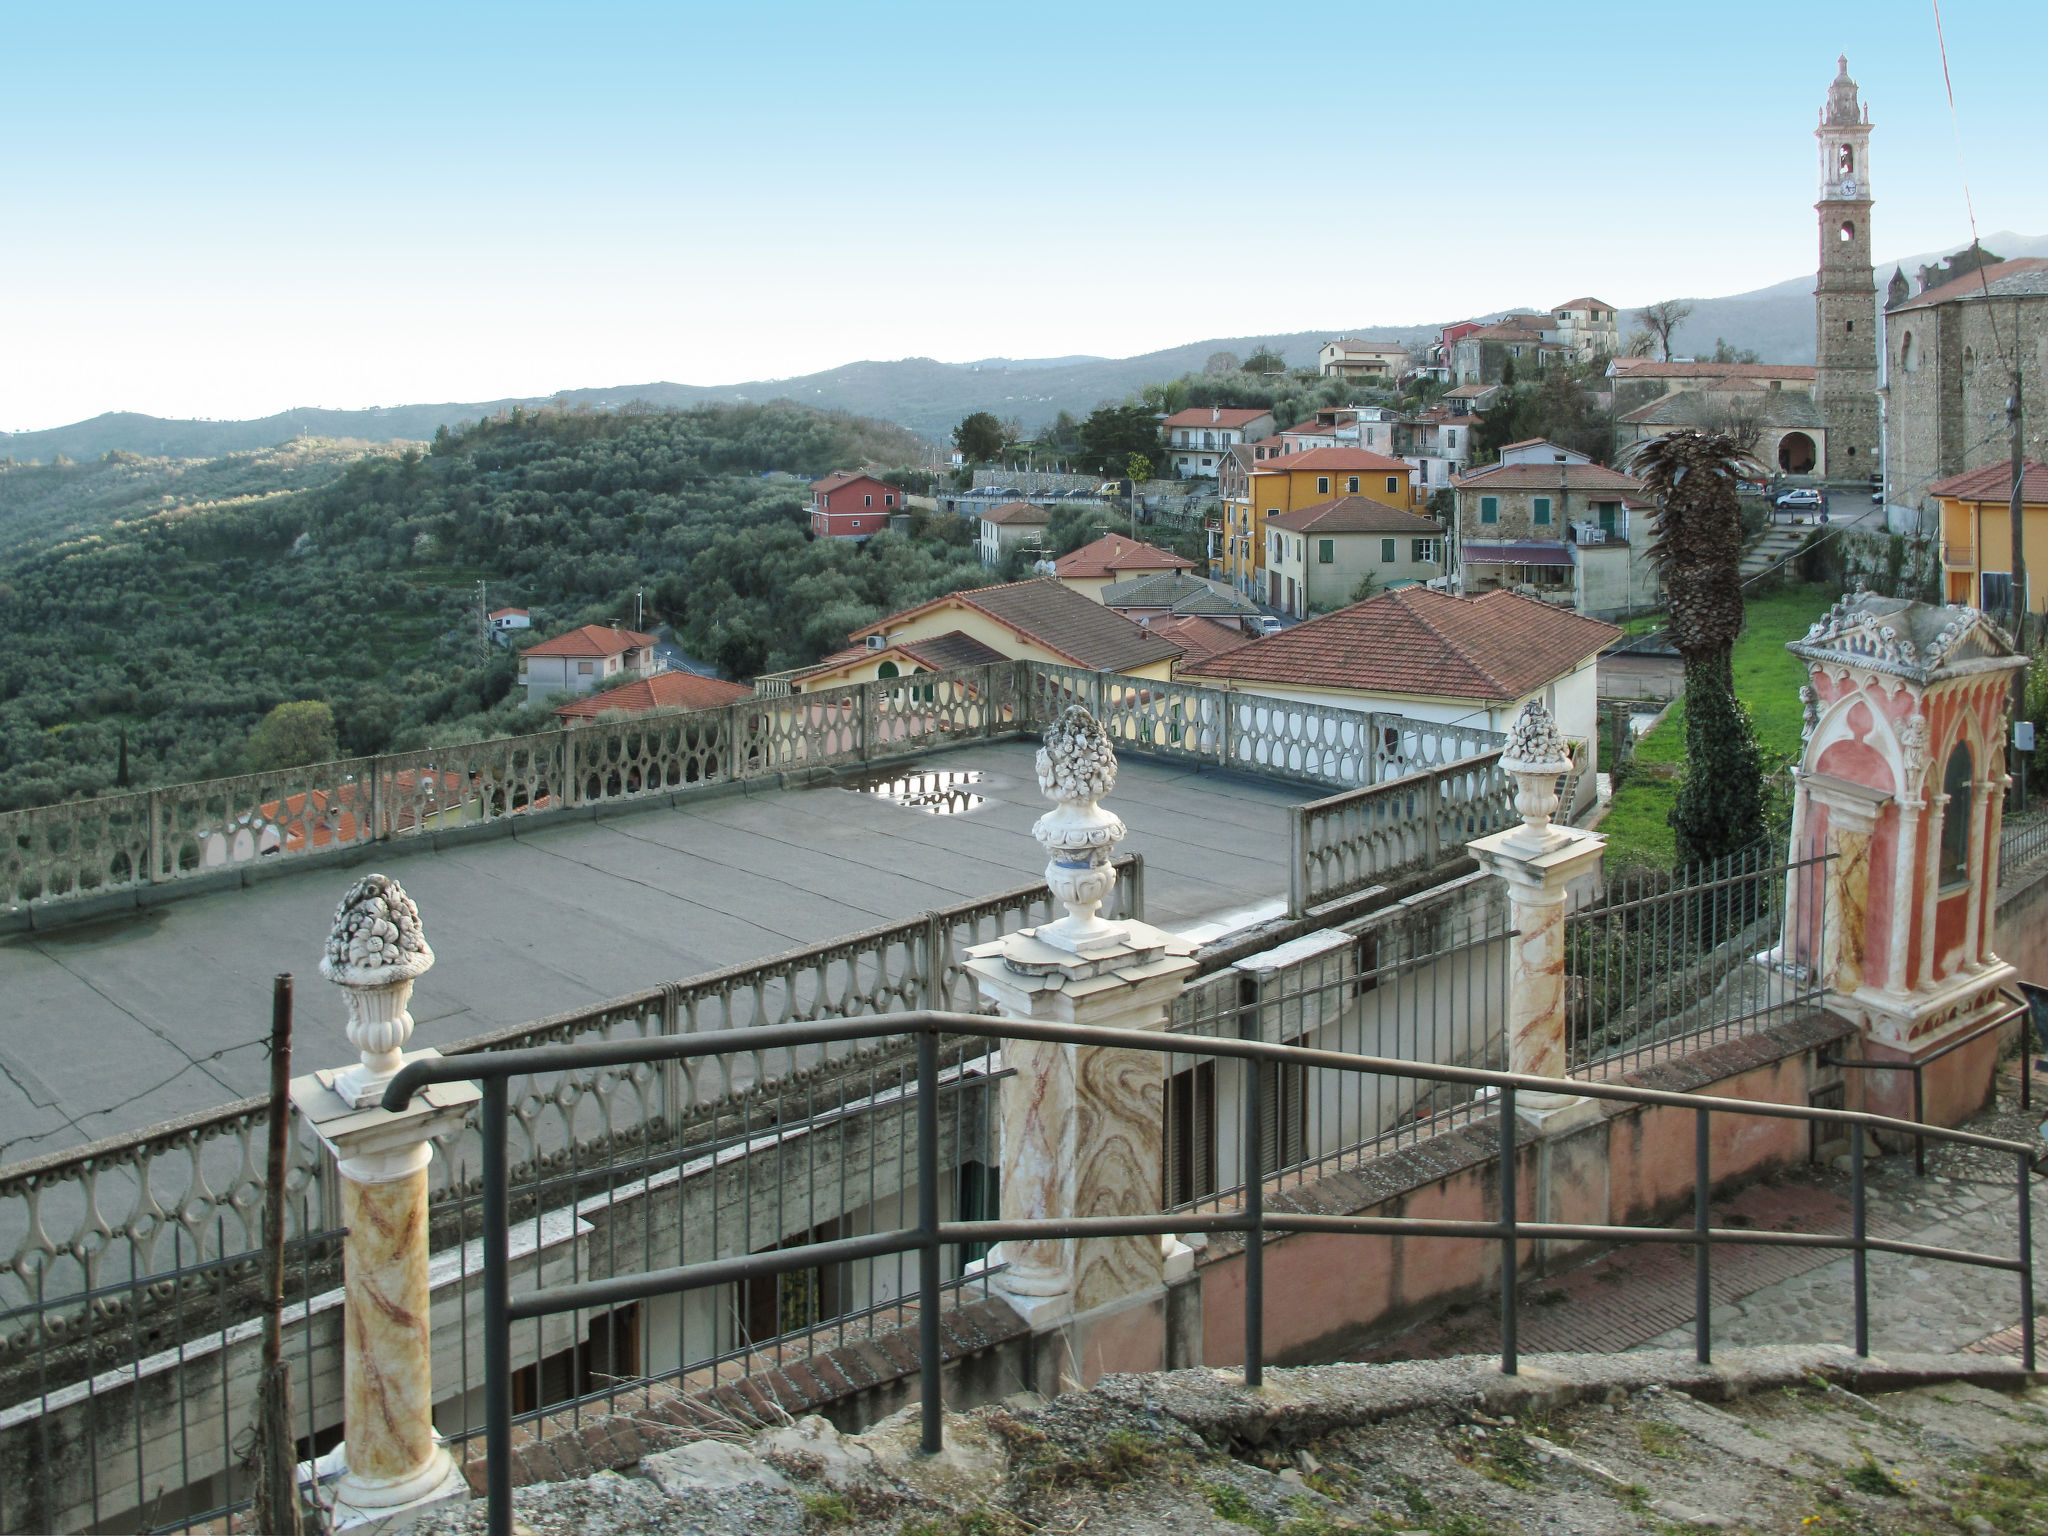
x,y
955,648
1972,285
664,690
591,640
1214,416
1540,477
1994,483
1052,615
1649,368
1198,637
1113,554
1335,459
1414,640
1355,514
1019,513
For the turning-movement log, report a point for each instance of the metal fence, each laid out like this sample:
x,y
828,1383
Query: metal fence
x,y
931,1237
1347,842
2020,842
1657,965
220,829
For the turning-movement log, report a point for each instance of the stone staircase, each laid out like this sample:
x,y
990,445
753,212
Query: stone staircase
x,y
1774,544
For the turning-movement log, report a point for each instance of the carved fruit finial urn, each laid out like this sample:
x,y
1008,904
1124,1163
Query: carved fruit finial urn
x,y
1536,756
1076,768
375,952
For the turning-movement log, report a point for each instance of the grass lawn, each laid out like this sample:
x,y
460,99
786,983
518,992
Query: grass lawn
x,y
1767,679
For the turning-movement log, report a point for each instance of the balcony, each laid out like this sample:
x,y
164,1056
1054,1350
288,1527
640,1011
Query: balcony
x,y
1959,556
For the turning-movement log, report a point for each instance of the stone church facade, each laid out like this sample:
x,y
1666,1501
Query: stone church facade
x,y
1845,290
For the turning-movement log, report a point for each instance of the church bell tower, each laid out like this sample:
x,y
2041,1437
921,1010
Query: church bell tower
x,y
1845,296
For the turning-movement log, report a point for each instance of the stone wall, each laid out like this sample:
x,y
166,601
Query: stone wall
x,y
1945,399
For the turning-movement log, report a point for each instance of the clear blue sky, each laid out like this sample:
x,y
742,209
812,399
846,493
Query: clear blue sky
x,y
223,210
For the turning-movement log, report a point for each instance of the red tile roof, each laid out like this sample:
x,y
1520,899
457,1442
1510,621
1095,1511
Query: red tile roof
x,y
1214,416
1587,304
1648,368
955,648
591,640
1540,477
1113,555
506,613
1972,284
1052,615
1994,483
1199,638
1018,512
1496,648
664,690
1334,459
1355,514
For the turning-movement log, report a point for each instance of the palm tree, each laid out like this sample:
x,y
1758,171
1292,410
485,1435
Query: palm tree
x,y
1696,547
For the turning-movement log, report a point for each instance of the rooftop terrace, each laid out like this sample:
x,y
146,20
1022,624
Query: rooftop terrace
x,y
569,913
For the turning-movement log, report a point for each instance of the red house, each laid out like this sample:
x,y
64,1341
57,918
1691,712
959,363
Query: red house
x,y
850,506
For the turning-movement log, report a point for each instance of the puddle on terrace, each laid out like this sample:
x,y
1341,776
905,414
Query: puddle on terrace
x,y
936,794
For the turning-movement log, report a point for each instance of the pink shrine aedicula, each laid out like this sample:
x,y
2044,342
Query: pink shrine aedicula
x,y
1903,780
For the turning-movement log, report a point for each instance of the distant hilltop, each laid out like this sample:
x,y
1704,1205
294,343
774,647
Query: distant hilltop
x,y
925,396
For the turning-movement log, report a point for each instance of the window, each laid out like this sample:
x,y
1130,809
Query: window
x,y
1425,551
889,500
1845,161
1393,484
1386,551
1351,485
1425,471
1539,510
1190,1161
585,668
1489,509
867,501
887,669
1207,462
1283,1114
1848,231
1322,485
1955,818
1851,325
1326,551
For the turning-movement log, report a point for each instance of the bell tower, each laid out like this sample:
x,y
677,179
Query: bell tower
x,y
1845,294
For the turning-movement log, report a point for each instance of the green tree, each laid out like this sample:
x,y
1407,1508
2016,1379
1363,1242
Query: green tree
x,y
1265,360
1112,433
1138,468
979,437
1723,353
1696,546
292,735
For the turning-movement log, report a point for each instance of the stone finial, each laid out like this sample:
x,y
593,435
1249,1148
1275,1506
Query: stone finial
x,y
375,951
1076,768
1535,754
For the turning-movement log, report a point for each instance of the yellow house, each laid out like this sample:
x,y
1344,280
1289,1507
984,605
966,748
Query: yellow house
x,y
1291,481
1036,620
1114,558
1976,535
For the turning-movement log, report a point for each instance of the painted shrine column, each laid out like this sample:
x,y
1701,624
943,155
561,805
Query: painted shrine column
x,y
1905,714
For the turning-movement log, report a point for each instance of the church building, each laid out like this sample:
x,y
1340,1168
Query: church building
x,y
1845,292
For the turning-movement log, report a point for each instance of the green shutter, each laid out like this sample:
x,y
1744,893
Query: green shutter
x,y
1489,509
1326,551
1541,513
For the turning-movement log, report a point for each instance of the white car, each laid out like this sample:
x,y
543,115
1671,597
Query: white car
x,y
1268,624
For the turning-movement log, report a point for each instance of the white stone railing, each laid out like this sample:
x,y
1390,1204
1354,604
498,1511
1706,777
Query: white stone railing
x,y
1365,837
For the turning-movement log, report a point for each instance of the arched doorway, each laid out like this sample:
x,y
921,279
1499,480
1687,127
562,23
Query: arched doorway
x,y
1796,455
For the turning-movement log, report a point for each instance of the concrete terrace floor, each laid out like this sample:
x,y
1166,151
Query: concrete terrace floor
x,y
114,1025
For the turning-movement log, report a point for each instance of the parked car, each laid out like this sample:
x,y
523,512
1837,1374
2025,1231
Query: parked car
x,y
1268,624
1752,488
1800,501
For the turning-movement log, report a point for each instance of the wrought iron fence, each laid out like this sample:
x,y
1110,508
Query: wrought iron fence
x,y
2020,842
1363,837
1655,965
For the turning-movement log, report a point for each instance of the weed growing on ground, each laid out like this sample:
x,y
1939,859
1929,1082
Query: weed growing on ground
x,y
982,1521
2012,1494
1872,1479
1659,1439
828,1509
1229,1503
1507,1457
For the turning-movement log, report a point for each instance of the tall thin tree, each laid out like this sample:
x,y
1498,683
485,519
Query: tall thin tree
x,y
1696,547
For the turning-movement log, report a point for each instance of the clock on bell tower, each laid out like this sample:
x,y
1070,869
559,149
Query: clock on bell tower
x,y
1845,293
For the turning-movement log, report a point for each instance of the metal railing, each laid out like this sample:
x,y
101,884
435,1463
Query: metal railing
x,y
56,854
2020,842
931,1235
1655,966
1918,1069
1351,841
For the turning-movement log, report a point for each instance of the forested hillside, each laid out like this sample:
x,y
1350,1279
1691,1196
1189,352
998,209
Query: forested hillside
x,y
181,628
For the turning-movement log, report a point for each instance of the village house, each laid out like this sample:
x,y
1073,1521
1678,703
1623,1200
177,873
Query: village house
x,y
1530,342
1588,328
1431,655
1276,485
1013,525
1550,523
846,505
505,620
1349,358
664,691
1114,558
1176,594
1319,557
1197,438
585,659
1037,620
1976,534
1636,381
1781,427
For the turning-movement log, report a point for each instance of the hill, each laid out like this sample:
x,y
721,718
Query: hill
x,y
176,628
924,396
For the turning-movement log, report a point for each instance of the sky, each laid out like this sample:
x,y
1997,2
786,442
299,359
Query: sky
x,y
224,211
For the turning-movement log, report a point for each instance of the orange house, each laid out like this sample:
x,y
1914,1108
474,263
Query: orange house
x,y
1976,535
1290,481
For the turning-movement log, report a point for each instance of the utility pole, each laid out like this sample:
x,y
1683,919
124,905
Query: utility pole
x,y
2017,600
483,626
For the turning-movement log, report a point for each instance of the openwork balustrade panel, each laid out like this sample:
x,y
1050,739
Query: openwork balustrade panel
x,y
1364,837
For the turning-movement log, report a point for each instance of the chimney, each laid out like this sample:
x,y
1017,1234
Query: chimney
x,y
1215,413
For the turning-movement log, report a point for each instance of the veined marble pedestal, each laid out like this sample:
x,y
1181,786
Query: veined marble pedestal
x,y
395,1463
1081,1137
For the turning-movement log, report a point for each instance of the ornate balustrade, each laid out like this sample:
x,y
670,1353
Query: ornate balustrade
x,y
1364,837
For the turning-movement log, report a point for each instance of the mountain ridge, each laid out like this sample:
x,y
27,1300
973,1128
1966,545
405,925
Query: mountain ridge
x,y
921,394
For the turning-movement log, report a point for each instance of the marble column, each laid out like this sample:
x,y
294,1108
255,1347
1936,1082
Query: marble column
x,y
394,1462
1539,862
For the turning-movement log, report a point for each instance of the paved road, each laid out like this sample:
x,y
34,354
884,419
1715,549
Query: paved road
x,y
155,1012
